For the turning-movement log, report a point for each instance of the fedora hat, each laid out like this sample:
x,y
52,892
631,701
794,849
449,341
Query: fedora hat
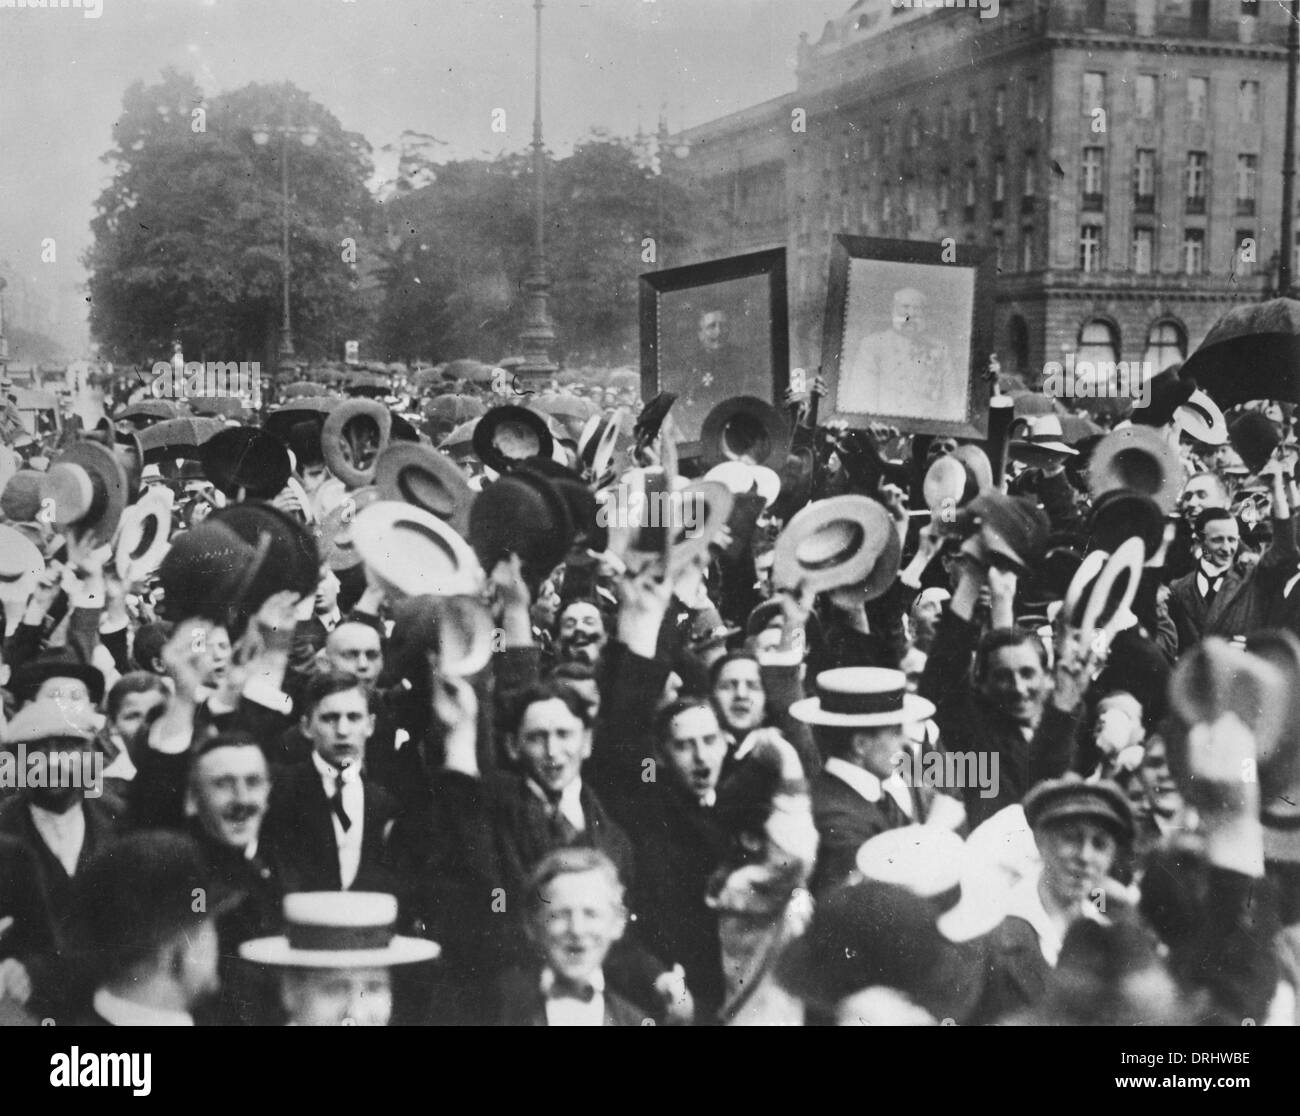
x,y
1202,418
143,533
245,459
844,540
521,514
455,632
1254,436
414,553
589,532
1279,766
425,478
355,433
339,930
60,663
1140,458
1122,514
1010,527
87,485
1044,439
508,434
745,426
21,565
336,543
700,511
862,697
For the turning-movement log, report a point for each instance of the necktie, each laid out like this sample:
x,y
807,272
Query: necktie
x,y
336,803
562,830
1212,586
563,989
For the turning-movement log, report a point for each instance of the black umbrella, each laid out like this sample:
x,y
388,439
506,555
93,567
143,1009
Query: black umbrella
x,y
177,437
1252,352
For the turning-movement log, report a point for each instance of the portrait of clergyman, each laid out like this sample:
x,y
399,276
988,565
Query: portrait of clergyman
x,y
907,340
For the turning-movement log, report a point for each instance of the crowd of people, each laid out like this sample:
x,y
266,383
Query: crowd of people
x,y
489,712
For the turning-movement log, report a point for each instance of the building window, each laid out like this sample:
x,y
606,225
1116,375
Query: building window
x,y
1200,21
999,248
1094,15
1144,247
1094,91
1248,102
1093,164
1193,251
999,186
1031,97
1000,106
945,196
1247,178
1031,174
1249,9
1144,180
945,121
972,118
1243,262
1197,174
969,197
1027,248
1090,249
1098,343
1145,95
1198,97
1166,345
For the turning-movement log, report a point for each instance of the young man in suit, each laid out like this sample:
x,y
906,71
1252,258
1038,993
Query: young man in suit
x,y
154,948
1218,537
574,914
327,821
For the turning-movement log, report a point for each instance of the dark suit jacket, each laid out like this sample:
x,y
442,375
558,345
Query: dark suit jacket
x,y
522,1003
844,821
1189,609
22,899
1016,971
299,827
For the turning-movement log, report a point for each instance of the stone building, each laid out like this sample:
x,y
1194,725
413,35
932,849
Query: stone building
x,y
1122,157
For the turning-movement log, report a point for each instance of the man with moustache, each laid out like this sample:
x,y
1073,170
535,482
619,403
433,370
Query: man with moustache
x,y
903,354
580,632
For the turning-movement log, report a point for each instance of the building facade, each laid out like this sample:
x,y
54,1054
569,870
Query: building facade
x,y
1123,158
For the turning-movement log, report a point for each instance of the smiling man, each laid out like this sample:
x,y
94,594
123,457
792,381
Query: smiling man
x,y
1218,538
580,632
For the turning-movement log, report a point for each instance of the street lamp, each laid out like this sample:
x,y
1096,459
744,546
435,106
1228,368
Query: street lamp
x,y
307,137
538,332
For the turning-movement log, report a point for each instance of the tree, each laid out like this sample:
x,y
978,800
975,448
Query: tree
x,y
187,236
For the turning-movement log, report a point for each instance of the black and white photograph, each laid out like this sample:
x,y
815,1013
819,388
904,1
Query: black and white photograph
x,y
649,513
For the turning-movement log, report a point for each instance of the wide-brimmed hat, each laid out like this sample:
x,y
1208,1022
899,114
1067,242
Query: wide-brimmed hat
x,y
248,459
454,631
339,930
1043,439
1070,796
1103,587
521,513
1137,458
315,409
1011,527
862,697
413,552
844,540
88,486
1254,436
1122,514
741,478
745,426
143,534
425,478
336,543
61,663
597,444
589,532
292,557
704,508
355,433
1202,418
21,566
49,720
506,435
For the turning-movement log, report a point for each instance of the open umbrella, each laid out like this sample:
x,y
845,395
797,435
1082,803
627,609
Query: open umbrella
x,y
217,405
180,437
147,412
1252,352
302,388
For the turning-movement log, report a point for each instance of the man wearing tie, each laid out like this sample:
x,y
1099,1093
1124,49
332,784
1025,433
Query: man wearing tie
x,y
1218,538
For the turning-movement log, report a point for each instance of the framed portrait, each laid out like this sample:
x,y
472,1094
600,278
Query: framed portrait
x,y
713,330
908,335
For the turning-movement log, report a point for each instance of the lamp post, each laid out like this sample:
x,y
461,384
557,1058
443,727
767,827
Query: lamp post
x,y
538,333
307,137
1284,279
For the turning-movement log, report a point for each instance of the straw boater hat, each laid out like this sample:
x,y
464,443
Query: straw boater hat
x,y
425,478
414,552
845,540
339,930
862,697
143,533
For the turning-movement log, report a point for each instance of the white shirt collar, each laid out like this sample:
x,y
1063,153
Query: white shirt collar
x,y
868,786
329,773
568,1011
127,1013
331,619
1024,901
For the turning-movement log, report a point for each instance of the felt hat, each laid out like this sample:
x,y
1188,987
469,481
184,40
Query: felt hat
x,y
862,697
355,433
522,514
339,930
1070,796
1254,436
60,663
508,434
248,459
314,409
292,558
414,553
143,534
426,478
87,486
844,540
589,532
455,631
336,542
1044,439
1122,514
1138,458
1011,527
745,426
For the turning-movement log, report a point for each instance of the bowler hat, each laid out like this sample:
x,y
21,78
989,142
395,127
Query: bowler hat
x,y
1121,514
506,435
1013,527
201,570
1254,436
844,540
292,560
248,459
428,479
589,532
355,433
745,426
62,663
413,552
87,485
521,514
1056,800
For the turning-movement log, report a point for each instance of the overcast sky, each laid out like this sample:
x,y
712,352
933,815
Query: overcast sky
x,y
381,66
